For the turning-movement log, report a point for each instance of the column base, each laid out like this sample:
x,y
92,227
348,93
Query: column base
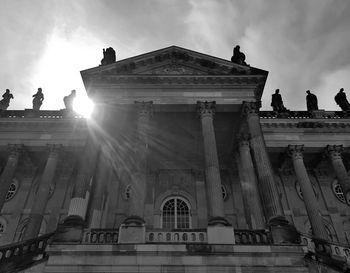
x,y
223,235
134,221
282,232
218,221
132,234
71,230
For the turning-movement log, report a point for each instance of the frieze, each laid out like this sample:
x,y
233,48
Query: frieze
x,y
178,79
306,125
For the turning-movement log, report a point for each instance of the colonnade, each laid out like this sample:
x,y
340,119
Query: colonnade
x,y
253,158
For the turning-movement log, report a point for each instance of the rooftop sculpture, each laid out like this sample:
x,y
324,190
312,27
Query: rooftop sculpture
x,y
238,56
277,102
342,101
108,56
68,100
311,101
38,99
5,102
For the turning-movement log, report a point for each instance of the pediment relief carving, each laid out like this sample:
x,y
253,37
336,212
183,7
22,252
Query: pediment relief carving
x,y
175,61
174,69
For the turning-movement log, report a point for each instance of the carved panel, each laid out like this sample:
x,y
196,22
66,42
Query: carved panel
x,y
175,69
175,179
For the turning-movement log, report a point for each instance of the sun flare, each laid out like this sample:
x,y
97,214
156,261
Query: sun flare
x,y
83,106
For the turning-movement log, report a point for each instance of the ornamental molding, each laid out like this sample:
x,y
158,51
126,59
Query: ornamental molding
x,y
45,125
177,80
314,125
175,69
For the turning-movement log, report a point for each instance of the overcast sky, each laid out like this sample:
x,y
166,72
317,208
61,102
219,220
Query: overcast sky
x,y
303,44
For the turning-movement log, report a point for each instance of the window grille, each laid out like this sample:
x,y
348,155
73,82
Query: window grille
x,y
176,214
12,190
338,191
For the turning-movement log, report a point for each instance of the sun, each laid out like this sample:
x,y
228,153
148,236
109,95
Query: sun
x,y
82,105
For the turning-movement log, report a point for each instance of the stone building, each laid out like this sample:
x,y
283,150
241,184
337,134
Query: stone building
x,y
177,171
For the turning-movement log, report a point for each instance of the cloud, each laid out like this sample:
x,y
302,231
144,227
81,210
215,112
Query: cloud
x,y
301,43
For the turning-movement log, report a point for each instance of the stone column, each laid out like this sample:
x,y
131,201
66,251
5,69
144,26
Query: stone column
x,y
80,196
268,189
42,195
71,230
133,229
334,154
139,169
318,228
8,172
206,111
249,185
103,174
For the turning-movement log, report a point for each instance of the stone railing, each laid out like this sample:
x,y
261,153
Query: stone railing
x,y
100,236
303,114
184,236
44,114
336,250
23,254
252,237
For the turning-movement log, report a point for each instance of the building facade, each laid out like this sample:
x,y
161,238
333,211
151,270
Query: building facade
x,y
177,171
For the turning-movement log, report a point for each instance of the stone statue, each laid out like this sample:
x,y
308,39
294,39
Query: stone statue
x,y
311,101
342,101
238,57
68,100
108,56
5,102
277,103
38,99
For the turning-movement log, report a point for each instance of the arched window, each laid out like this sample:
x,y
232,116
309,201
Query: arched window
x,y
338,191
176,213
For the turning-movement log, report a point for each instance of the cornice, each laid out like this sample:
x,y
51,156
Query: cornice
x,y
177,79
174,54
23,124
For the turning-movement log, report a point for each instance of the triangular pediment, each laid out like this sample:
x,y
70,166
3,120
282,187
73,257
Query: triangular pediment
x,y
172,61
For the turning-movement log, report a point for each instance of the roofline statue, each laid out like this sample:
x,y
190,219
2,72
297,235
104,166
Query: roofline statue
x,y
108,56
342,101
5,102
38,98
238,56
69,100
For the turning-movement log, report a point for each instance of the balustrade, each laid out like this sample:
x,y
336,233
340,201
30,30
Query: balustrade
x,y
101,236
190,237
334,249
300,115
252,237
22,254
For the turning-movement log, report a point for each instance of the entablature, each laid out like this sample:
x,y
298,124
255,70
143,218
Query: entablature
x,y
313,133
41,129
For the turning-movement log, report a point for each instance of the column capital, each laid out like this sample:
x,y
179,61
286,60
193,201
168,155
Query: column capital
x,y
295,151
243,139
206,108
334,151
144,108
54,149
250,108
15,149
